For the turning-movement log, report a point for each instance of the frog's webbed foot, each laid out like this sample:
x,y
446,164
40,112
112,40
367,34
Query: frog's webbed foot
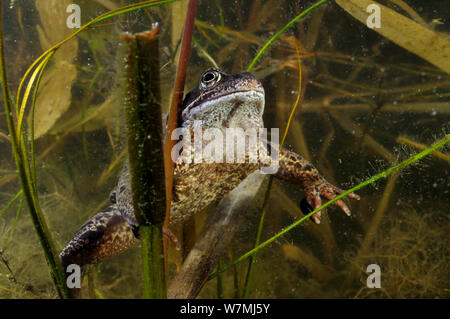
x,y
324,190
297,170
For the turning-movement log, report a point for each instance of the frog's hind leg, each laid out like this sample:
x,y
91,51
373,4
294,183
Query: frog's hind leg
x,y
105,235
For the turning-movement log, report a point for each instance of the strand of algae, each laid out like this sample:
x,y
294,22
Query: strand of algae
x,y
422,147
371,180
145,152
19,210
374,224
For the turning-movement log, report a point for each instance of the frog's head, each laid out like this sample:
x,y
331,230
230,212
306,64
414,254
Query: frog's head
x,y
224,100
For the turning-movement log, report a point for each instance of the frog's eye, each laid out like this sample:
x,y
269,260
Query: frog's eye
x,y
209,79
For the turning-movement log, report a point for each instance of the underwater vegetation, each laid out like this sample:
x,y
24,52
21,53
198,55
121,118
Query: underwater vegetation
x,y
355,101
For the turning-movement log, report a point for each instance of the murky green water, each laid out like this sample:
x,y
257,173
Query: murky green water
x,y
366,104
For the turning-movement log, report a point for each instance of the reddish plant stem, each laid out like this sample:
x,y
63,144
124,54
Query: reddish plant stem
x,y
177,98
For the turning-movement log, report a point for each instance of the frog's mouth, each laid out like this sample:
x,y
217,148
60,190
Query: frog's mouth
x,y
238,98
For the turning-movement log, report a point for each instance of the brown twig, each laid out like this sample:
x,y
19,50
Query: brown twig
x,y
205,255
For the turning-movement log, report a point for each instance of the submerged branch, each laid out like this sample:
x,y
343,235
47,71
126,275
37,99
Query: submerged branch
x,y
204,256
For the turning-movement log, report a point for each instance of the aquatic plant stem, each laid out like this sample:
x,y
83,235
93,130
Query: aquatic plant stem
x,y
151,252
251,262
219,281
33,107
287,26
371,180
145,152
27,174
11,202
177,99
22,164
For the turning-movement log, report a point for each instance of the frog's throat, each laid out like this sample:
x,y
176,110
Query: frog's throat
x,y
244,97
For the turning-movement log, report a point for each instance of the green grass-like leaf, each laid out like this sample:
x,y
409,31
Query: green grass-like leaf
x,y
18,138
287,26
371,180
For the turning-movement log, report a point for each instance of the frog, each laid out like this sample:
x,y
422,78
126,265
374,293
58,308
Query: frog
x,y
219,101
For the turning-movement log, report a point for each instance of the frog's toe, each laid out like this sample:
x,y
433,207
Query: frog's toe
x,y
339,191
316,217
354,196
324,191
171,236
344,207
313,201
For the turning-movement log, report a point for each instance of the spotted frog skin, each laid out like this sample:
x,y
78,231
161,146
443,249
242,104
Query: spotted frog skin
x,y
220,101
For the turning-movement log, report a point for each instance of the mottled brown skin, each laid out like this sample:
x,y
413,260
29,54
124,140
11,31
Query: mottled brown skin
x,y
104,234
220,101
297,170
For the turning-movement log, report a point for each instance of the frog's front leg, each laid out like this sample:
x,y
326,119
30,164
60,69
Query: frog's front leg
x,y
295,169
